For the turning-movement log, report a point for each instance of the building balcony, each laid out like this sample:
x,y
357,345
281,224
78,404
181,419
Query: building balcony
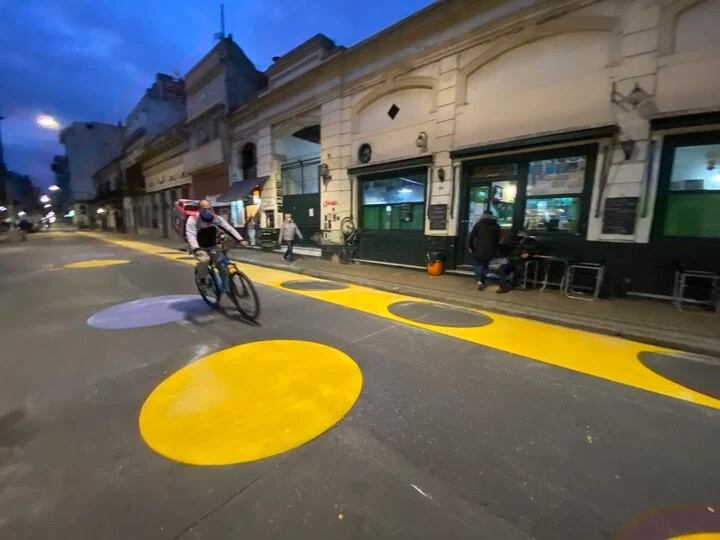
x,y
204,156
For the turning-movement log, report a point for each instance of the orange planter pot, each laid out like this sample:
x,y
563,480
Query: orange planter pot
x,y
435,268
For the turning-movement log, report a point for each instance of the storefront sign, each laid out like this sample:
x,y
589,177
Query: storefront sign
x,y
620,214
329,203
438,217
560,176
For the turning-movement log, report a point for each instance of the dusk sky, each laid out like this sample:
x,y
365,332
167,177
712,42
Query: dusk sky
x,y
92,60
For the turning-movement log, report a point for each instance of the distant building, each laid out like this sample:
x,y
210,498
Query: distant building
x,y
88,147
161,107
223,80
61,170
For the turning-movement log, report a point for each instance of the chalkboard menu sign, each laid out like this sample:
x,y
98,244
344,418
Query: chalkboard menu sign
x,y
619,216
405,212
438,217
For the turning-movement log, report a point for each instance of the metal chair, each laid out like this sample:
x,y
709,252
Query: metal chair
x,y
596,271
681,282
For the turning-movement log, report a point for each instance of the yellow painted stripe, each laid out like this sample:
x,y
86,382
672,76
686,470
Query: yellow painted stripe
x,y
606,357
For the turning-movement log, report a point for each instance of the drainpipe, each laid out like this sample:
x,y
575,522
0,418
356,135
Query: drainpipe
x,y
605,171
649,163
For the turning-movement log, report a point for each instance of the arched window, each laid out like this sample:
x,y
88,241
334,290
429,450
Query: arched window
x,y
248,161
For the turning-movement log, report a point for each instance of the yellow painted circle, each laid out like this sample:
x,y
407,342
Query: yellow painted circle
x,y
249,402
96,263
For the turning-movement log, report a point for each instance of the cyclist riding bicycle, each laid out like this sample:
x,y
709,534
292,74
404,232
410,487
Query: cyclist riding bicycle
x,y
203,236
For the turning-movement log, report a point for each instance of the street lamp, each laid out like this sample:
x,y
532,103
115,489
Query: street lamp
x,y
21,213
47,205
44,199
46,121
54,188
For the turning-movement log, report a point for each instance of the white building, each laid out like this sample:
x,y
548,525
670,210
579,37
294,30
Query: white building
x,y
595,125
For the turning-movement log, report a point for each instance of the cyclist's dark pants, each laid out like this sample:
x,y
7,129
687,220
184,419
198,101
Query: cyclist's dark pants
x,y
220,260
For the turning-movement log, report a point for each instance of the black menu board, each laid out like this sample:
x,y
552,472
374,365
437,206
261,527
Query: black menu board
x,y
619,216
438,217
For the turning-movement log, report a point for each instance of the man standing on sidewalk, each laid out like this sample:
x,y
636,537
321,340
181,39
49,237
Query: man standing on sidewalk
x,y
482,245
288,232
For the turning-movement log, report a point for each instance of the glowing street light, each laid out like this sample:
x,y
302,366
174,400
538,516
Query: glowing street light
x,y
47,205
3,208
100,210
21,213
46,121
44,199
54,188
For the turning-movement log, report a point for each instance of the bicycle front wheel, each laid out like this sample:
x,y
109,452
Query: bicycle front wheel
x,y
208,287
243,294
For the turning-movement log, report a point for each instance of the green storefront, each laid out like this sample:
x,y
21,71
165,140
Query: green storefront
x,y
391,208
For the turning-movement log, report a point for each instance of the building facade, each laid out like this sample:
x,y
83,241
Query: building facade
x,y
88,147
165,178
593,125
222,80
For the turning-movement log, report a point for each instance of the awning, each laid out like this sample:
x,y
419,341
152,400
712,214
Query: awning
x,y
565,137
240,190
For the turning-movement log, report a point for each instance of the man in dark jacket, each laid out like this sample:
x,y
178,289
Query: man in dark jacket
x,y
521,250
482,245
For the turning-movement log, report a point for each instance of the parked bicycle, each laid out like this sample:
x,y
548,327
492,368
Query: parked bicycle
x,y
351,241
236,285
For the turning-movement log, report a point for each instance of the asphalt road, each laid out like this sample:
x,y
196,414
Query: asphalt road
x,y
101,437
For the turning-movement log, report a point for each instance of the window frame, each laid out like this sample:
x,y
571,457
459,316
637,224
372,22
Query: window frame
x,y
663,193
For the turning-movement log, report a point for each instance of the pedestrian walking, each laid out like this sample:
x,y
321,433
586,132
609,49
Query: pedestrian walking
x,y
250,228
289,232
483,245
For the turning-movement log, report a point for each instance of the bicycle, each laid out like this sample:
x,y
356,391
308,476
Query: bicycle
x,y
350,246
238,287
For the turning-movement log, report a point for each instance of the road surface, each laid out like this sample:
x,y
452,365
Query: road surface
x,y
130,410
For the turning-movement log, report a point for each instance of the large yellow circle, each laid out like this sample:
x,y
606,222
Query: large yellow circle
x,y
96,263
249,402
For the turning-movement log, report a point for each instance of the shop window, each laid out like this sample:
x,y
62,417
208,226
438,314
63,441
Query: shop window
x,y
248,159
301,178
553,214
554,187
693,205
561,176
396,203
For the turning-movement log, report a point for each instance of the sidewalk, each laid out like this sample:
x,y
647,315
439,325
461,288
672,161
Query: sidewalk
x,y
694,330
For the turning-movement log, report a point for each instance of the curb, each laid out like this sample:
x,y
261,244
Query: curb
x,y
661,337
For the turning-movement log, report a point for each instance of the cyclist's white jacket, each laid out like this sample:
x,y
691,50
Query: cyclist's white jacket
x,y
203,234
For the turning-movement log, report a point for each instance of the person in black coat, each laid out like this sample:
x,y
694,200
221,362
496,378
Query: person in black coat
x,y
482,245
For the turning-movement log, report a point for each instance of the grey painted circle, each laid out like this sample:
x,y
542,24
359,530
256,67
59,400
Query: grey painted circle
x,y
313,285
699,373
438,314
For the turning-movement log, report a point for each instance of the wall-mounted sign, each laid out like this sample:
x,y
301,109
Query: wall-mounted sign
x,y
330,203
620,214
405,212
437,214
560,176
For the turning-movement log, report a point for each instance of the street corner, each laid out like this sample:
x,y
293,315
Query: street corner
x,y
147,312
250,402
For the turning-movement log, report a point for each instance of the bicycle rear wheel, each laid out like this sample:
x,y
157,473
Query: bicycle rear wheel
x,y
208,288
243,293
